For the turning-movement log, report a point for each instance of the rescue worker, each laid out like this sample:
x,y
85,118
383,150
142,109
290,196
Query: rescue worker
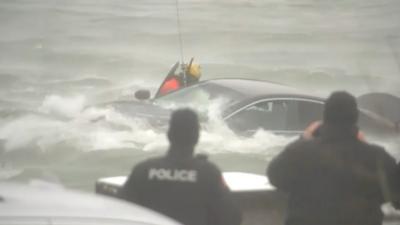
x,y
335,178
171,83
193,74
174,82
180,185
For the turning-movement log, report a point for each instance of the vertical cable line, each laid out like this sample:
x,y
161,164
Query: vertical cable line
x,y
178,22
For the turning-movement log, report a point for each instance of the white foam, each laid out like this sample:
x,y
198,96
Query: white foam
x,y
217,137
103,128
26,130
63,106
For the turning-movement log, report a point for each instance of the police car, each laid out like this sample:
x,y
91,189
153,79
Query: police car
x,y
259,201
44,204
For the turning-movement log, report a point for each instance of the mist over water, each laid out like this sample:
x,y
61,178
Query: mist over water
x,y
58,58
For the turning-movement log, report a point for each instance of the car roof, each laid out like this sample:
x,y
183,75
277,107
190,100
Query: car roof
x,y
253,88
43,201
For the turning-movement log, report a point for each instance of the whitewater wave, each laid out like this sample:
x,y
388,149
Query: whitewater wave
x,y
69,107
65,122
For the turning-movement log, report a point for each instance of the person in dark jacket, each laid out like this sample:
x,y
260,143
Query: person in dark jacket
x,y
396,202
335,178
187,188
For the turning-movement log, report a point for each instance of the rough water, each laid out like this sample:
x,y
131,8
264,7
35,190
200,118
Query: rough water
x,y
57,57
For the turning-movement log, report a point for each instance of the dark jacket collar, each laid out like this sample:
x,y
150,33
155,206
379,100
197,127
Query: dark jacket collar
x,y
180,152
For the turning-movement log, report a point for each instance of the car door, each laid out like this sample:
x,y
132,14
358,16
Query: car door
x,y
289,116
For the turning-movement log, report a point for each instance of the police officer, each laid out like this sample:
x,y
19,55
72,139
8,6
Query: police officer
x,y
335,178
186,188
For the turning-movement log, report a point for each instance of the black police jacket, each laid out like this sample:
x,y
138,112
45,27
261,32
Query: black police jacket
x,y
334,179
188,189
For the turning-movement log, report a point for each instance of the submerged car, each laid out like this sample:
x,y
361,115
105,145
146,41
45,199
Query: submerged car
x,y
247,106
44,205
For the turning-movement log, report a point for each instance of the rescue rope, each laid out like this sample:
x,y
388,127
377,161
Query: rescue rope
x,y
178,22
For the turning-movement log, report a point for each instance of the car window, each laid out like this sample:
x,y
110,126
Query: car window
x,y
267,115
303,113
284,115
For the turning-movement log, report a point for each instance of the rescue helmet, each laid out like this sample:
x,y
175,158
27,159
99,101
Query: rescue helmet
x,y
184,127
341,108
194,70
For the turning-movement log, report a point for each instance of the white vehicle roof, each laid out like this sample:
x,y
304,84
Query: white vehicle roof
x,y
27,204
236,181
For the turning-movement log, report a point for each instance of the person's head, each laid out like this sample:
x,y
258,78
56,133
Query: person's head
x,y
184,129
341,109
194,71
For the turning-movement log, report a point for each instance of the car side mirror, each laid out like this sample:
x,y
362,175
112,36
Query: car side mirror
x,y
142,95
